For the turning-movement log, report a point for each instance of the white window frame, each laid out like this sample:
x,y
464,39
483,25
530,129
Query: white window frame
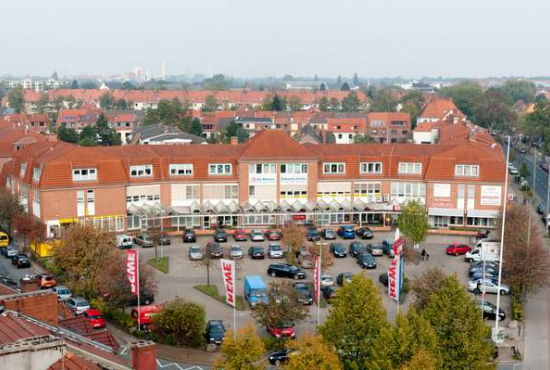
x,y
410,168
220,169
23,169
181,169
36,173
84,174
263,168
467,170
334,168
140,171
293,168
371,167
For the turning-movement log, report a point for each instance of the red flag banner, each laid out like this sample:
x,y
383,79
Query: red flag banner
x,y
228,271
316,277
392,278
132,266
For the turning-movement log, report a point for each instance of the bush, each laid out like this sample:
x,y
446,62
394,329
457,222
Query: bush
x,y
119,318
274,344
517,308
180,323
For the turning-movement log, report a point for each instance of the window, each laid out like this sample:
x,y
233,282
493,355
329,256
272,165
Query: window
x,y
36,173
184,169
221,192
192,192
366,189
468,170
333,194
398,123
263,168
293,168
84,174
90,195
251,190
410,168
334,168
409,190
133,221
371,167
377,123
142,198
36,195
223,169
23,169
293,194
145,170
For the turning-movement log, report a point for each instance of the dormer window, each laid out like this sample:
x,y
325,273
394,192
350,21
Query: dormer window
x,y
145,170
84,174
467,170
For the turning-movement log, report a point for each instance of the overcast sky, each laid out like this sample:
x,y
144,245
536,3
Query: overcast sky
x,y
247,38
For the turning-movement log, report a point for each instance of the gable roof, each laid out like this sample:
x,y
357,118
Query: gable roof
x,y
274,144
13,329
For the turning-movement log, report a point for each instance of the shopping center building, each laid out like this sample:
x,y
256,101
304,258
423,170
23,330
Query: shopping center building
x,y
265,182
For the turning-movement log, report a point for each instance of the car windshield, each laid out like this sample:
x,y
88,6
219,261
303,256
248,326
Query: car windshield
x,y
293,268
47,278
235,249
82,304
275,247
94,317
258,293
64,291
216,329
195,249
339,247
257,249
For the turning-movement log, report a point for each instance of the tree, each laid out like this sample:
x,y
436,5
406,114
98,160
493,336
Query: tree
x,y
465,95
526,258
106,101
421,360
413,221
278,104
282,306
311,352
293,236
67,135
180,323
524,170
55,76
334,105
208,262
345,87
74,85
106,135
210,104
89,85
42,103
495,110
234,130
460,329
216,82
412,103
168,112
10,210
536,123
324,104
322,87
16,99
196,127
327,259
355,322
426,284
520,90
339,81
242,350
295,103
351,103
362,139
127,85
384,101
121,104
356,81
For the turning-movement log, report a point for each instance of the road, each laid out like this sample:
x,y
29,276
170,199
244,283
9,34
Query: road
x,y
541,186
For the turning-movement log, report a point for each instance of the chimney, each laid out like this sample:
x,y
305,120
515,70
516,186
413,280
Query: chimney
x,y
28,284
234,140
144,355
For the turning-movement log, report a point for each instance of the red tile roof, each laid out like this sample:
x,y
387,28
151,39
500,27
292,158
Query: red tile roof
x,y
13,329
74,362
274,144
438,108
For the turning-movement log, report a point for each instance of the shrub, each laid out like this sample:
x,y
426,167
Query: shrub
x,y
517,308
180,323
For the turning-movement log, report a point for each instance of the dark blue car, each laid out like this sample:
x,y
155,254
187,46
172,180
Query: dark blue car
x,y
347,232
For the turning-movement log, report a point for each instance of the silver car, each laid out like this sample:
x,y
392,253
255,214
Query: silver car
x,y
327,280
63,293
257,236
489,286
236,252
195,253
275,251
78,305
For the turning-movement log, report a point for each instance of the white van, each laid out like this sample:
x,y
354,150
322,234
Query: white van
x,y
124,241
474,255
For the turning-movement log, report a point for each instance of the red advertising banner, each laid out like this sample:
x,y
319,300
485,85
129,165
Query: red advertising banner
x,y
317,277
392,277
228,272
398,245
132,267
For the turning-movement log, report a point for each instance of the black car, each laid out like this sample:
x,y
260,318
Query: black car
x,y
313,235
256,252
344,277
146,297
364,233
338,250
215,332
304,295
328,293
215,250
383,279
366,261
21,260
490,311
356,248
278,358
328,234
541,209
189,236
285,270
220,236
165,240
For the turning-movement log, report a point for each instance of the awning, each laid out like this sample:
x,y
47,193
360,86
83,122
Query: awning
x,y
187,210
334,205
483,213
208,207
346,205
310,206
233,207
359,205
150,210
220,207
247,207
446,212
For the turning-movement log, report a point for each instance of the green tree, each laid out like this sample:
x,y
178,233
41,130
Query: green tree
x,y
89,85
324,104
355,323
180,323
322,87
106,135
311,352
495,110
121,104
540,98
425,285
413,221
339,81
278,104
524,170
67,135
196,127
216,82
460,329
356,81
234,130
106,101
362,139
536,123
10,210
520,90
384,101
168,112
294,103
88,136
74,85
242,351
466,96
335,105
345,87
16,99
421,360
210,104
412,103
282,306
42,104
127,85
351,103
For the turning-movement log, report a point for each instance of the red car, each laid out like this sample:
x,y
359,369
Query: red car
x,y
283,331
457,248
240,235
94,318
273,235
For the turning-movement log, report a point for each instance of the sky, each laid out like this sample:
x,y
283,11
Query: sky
x,y
257,38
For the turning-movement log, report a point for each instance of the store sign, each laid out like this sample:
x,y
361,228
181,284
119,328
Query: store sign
x,y
132,270
442,190
228,272
294,178
491,195
490,251
265,179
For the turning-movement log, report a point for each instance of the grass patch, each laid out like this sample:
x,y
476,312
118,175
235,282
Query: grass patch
x,y
212,291
161,264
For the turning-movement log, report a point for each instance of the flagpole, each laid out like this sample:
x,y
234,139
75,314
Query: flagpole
x,y
319,284
138,295
235,301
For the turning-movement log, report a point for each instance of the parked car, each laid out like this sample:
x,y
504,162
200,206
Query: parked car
x,y
327,280
189,236
256,252
493,264
286,330
240,235
456,249
78,305
346,232
344,277
215,331
164,239
328,234
387,244
220,236
45,281
236,252
146,297
490,311
9,251
93,316
4,239
144,240
356,248
541,209
63,293
364,233
257,236
491,286
492,269
273,235
195,253
305,260
338,250
124,241
21,260
304,295
274,250
366,261
383,279
215,250
285,270
512,170
375,249
478,274
279,357
313,235
145,315
329,292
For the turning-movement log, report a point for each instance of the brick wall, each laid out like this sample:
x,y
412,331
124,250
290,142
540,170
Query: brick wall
x,y
41,306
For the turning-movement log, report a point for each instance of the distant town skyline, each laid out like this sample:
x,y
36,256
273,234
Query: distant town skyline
x,y
246,39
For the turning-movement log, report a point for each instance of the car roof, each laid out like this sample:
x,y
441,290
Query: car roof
x,y
215,322
79,299
60,287
93,311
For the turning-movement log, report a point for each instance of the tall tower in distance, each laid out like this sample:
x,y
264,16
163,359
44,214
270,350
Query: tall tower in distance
x,y
163,69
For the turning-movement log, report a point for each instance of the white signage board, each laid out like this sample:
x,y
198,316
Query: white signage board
x,y
490,251
491,195
442,190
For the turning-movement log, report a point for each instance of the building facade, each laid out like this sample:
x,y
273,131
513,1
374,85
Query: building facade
x,y
265,182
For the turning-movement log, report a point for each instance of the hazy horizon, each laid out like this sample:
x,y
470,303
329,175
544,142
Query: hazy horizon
x,y
247,39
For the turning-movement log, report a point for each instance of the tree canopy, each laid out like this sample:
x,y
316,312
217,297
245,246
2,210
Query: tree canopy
x,y
351,103
180,323
16,99
242,351
384,101
312,352
282,306
413,221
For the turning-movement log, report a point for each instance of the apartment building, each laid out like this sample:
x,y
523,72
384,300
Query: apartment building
x,y
267,181
389,127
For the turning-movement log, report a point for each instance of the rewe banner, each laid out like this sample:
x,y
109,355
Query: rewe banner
x,y
132,266
228,274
